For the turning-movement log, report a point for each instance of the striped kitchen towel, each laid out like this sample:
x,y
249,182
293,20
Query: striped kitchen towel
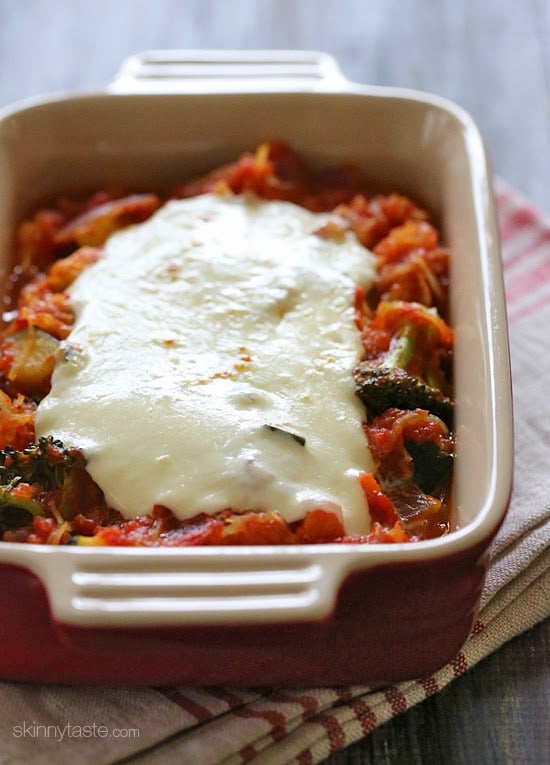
x,y
272,726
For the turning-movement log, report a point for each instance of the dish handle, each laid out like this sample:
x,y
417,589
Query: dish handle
x,y
219,71
100,587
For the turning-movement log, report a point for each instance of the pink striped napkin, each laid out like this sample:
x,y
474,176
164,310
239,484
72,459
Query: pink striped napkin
x,y
272,726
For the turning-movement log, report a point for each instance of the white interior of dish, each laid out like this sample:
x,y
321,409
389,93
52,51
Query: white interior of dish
x,y
421,147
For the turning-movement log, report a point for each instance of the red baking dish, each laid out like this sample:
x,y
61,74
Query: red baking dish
x,y
318,614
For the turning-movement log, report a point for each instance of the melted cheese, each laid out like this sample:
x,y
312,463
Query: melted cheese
x,y
216,343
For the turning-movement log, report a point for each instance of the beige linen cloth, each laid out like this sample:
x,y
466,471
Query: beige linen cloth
x,y
274,726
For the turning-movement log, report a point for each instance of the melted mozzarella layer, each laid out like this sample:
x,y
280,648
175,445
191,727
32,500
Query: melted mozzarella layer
x,y
216,345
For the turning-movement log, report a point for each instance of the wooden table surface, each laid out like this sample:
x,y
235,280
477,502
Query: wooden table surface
x,y
490,56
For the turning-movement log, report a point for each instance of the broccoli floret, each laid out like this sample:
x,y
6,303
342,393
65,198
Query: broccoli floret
x,y
46,462
381,388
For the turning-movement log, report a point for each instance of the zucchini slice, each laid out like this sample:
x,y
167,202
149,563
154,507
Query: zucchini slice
x,y
33,358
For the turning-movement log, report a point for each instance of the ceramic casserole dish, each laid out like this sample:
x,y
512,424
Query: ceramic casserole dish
x,y
317,614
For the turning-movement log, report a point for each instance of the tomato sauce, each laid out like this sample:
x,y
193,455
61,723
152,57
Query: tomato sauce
x,y
402,316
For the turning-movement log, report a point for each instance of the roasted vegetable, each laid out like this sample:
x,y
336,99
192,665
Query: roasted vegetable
x,y
46,462
413,456
407,361
14,498
430,464
382,388
27,361
94,226
43,475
